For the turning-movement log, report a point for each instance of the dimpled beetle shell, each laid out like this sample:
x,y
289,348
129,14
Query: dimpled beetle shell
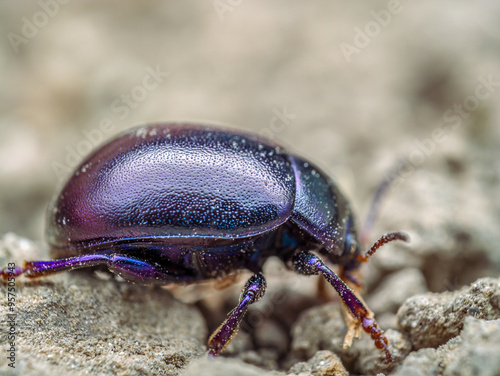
x,y
194,185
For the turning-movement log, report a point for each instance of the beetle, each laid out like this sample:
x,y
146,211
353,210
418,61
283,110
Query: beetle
x,y
182,203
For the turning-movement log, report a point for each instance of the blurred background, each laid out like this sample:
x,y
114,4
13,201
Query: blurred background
x,y
357,88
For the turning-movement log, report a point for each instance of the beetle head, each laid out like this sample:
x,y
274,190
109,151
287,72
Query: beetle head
x,y
346,244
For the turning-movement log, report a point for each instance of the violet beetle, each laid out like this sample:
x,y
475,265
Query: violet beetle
x,y
183,203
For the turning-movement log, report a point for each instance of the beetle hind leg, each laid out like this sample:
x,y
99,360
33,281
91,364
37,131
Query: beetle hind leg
x,y
309,264
34,269
252,292
129,268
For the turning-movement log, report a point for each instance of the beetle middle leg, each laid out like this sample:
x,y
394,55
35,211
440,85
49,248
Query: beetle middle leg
x,y
309,264
252,292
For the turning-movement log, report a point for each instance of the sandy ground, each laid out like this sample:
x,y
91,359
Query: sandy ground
x,y
358,89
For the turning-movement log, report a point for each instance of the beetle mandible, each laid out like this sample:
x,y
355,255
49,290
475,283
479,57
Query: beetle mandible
x,y
183,203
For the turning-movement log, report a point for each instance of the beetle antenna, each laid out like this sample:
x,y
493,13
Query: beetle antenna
x,y
384,239
374,210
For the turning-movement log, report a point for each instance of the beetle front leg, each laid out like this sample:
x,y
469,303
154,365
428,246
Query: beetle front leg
x,y
309,264
252,292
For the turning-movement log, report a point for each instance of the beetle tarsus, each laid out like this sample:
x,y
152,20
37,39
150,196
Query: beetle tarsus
x,y
370,326
252,292
9,272
31,269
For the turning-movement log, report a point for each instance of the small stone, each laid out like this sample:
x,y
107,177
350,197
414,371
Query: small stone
x,y
372,360
479,351
224,367
263,358
324,363
474,352
431,319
